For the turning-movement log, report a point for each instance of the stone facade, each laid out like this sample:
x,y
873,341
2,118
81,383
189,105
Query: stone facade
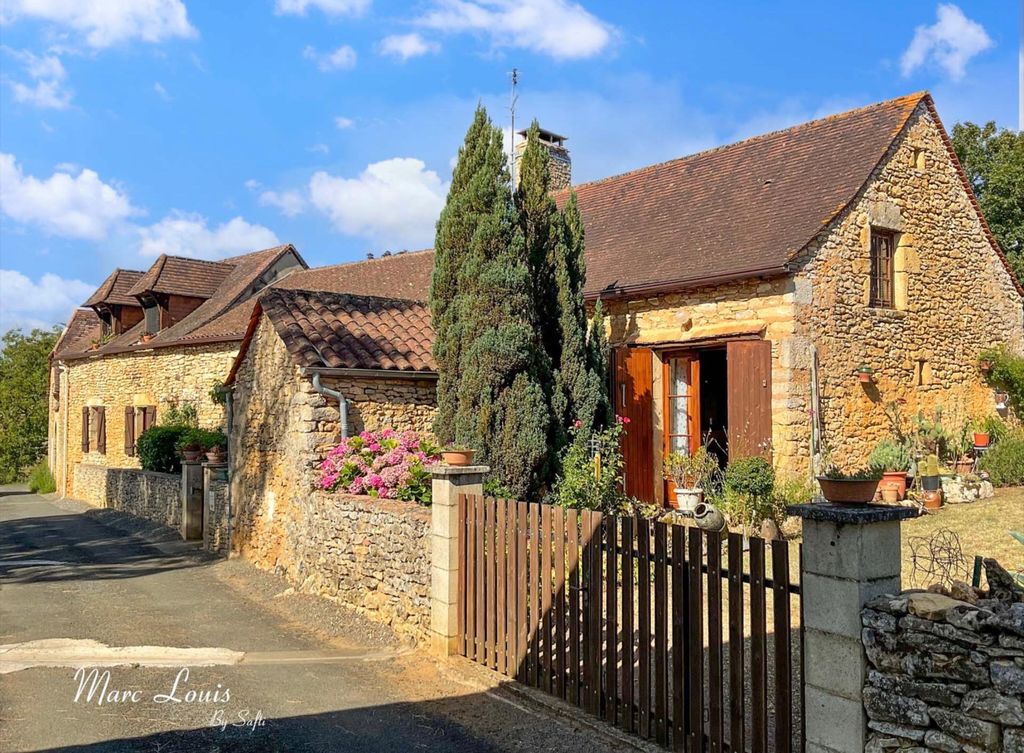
x,y
160,377
153,496
945,675
954,298
282,430
216,509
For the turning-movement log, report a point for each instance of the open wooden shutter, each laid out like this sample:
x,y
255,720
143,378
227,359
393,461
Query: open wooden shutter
x,y
129,430
750,398
633,399
101,430
148,417
85,429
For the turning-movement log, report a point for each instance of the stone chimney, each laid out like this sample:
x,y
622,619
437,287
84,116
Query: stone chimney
x,y
558,158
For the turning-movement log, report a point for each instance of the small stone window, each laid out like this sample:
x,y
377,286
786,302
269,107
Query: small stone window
x,y
883,254
917,157
922,372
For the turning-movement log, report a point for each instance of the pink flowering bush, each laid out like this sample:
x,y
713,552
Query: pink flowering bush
x,y
383,464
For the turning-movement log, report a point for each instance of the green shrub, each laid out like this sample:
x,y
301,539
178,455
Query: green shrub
x,y
203,439
748,496
180,414
1007,374
1005,461
40,480
157,449
890,456
587,484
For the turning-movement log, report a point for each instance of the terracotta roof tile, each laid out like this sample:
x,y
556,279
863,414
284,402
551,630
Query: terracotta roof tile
x,y
744,208
340,330
114,290
182,276
402,275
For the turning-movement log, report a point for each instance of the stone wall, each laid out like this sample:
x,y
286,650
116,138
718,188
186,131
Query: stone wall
x,y
944,675
954,298
370,554
159,377
153,496
282,430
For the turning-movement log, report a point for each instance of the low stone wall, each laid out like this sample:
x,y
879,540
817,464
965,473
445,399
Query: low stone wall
x,y
149,495
945,675
371,554
215,508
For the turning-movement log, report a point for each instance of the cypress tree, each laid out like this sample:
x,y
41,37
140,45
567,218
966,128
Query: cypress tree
x,y
597,360
455,229
496,399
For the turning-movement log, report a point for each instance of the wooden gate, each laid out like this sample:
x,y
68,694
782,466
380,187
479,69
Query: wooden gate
x,y
668,632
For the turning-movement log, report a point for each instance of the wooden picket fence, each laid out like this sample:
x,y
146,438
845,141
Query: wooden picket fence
x,y
623,617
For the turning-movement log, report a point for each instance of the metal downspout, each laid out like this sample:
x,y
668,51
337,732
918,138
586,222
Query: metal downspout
x,y
342,403
229,405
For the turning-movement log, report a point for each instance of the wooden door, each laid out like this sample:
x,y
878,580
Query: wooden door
x,y
749,365
681,419
633,399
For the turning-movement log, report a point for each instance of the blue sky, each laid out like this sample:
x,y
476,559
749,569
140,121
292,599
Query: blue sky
x,y
211,128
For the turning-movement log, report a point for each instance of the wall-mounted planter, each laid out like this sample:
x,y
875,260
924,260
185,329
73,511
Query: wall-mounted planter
x,y
865,374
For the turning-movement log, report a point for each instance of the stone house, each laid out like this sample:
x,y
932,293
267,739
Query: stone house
x,y
313,366
146,341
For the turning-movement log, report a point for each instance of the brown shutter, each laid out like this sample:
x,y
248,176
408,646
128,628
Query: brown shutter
x,y
633,399
750,398
101,430
85,429
129,430
148,417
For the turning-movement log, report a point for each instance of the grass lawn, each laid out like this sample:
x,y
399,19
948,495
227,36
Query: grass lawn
x,y
981,527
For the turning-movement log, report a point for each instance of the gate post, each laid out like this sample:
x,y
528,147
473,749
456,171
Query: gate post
x,y
448,482
191,501
851,554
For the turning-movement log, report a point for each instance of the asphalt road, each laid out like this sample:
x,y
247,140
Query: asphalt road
x,y
283,672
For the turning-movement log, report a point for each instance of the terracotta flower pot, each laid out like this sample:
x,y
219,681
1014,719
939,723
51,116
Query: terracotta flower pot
x,y
985,365
899,478
216,456
865,377
192,456
890,493
964,466
848,491
981,439
932,499
457,457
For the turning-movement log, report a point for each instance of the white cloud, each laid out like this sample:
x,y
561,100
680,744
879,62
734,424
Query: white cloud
x,y
161,91
342,59
328,7
187,234
48,89
75,206
25,304
950,43
559,28
107,22
344,123
289,203
395,203
405,46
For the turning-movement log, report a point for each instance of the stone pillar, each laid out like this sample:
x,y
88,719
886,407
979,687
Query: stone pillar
x,y
448,483
191,501
851,554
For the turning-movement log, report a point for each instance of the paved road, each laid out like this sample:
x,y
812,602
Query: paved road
x,y
287,672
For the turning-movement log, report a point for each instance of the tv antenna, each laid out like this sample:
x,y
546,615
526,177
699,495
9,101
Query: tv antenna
x,y
512,136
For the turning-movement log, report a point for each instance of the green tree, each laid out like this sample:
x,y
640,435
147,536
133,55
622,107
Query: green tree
x,y
994,162
24,377
455,228
487,322
597,357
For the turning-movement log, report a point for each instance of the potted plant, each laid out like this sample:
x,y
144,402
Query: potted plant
x,y
458,456
854,488
893,460
985,364
928,470
690,474
865,373
214,443
982,435
190,445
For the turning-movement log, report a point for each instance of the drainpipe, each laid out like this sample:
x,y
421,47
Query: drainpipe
x,y
229,405
342,403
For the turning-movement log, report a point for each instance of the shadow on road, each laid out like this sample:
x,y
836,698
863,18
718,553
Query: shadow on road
x,y
82,546
388,728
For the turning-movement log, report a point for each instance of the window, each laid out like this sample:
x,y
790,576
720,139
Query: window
x,y
136,421
883,247
94,429
678,427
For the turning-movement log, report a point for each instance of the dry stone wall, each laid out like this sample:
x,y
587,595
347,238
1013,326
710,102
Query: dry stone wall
x,y
945,675
153,496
